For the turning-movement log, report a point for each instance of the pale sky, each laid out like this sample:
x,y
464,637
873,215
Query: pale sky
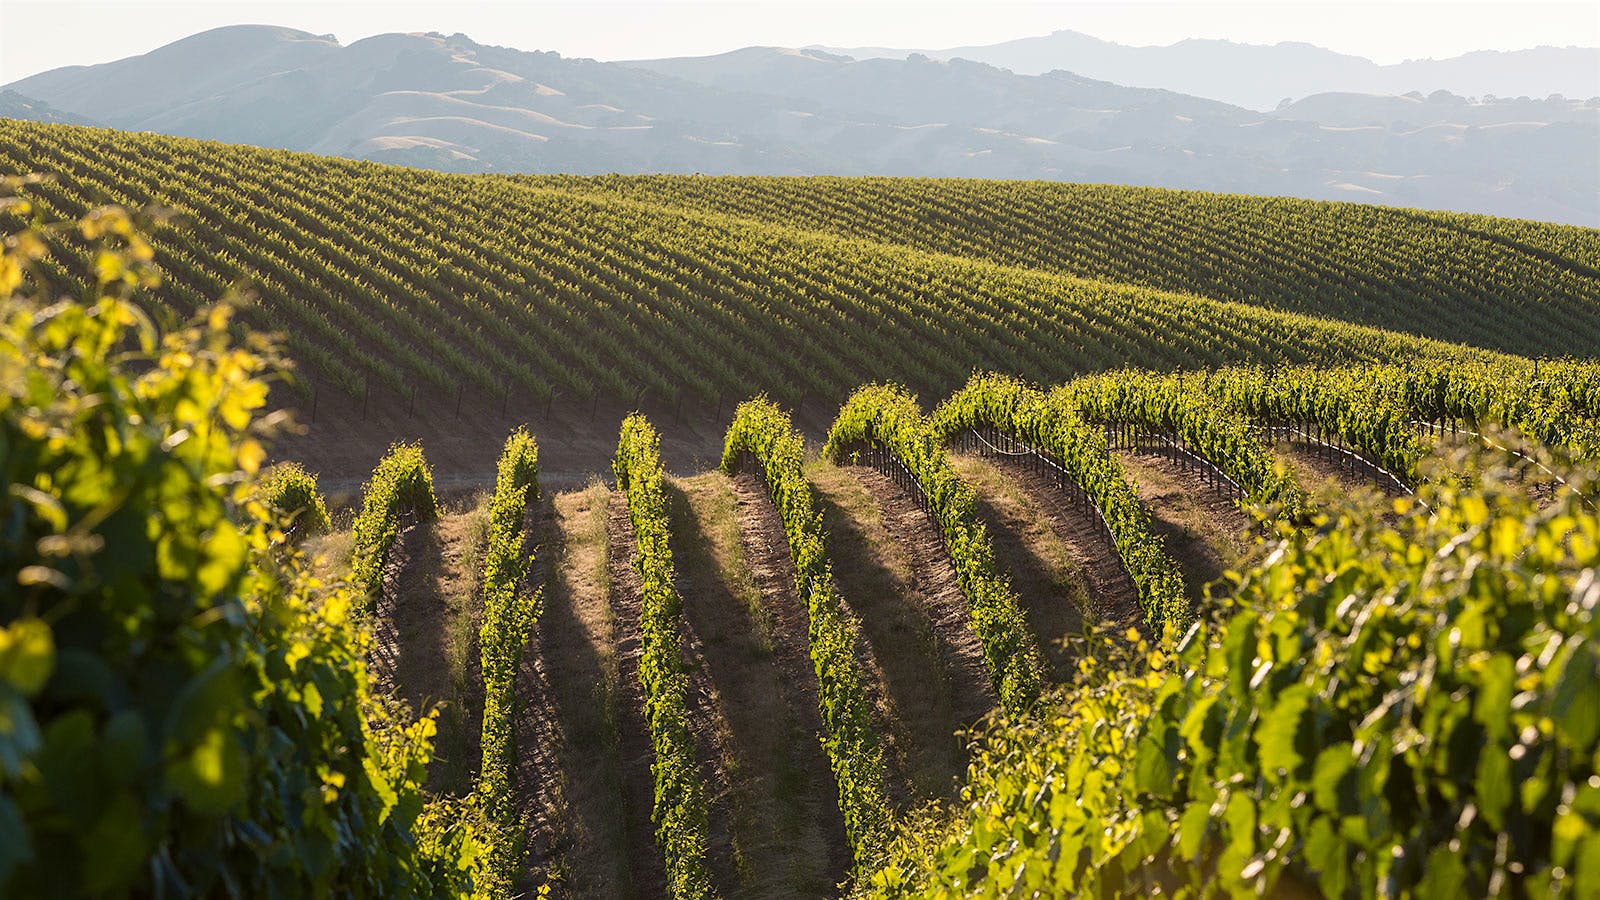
x,y
36,35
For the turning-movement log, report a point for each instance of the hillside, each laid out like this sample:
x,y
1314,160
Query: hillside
x,y
1168,610
451,103
15,106
1394,269
501,300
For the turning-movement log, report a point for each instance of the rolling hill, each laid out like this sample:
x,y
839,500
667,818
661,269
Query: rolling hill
x,y
1230,543
399,288
450,103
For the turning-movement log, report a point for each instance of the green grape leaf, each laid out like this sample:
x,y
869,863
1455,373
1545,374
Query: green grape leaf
x,y
1493,785
1280,733
27,655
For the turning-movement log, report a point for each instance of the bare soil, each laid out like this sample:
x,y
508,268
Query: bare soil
x,y
425,651
646,872
1323,477
746,637
342,443
569,774
927,672
1064,568
1206,533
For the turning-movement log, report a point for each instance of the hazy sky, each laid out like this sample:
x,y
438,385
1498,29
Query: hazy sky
x,y
36,35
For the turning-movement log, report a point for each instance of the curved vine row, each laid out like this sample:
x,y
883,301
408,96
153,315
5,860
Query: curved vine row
x,y
1005,403
401,484
886,417
762,431
291,493
1163,405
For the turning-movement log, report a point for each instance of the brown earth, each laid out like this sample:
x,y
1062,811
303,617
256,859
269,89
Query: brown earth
x,y
926,674
1206,532
425,630
755,698
569,773
576,441
647,874
1328,476
1061,563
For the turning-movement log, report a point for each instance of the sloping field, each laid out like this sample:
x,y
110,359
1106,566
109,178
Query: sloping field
x,y
1127,624
402,287
1529,288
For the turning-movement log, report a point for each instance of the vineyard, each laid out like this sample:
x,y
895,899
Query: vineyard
x,y
399,287
1056,539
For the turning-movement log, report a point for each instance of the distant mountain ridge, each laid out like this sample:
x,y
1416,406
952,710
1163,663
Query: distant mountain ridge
x,y
450,103
1233,72
15,106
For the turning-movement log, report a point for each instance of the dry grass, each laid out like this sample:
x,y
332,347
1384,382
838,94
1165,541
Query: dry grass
x,y
571,765
709,499
746,713
432,612
1207,534
329,555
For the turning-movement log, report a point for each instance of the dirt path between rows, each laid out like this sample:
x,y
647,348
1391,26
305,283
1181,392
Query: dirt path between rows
x,y
1206,533
1325,477
425,640
1064,568
569,774
926,673
647,873
755,698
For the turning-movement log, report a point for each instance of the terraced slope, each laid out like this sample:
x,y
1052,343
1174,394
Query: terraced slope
x,y
1529,288
422,289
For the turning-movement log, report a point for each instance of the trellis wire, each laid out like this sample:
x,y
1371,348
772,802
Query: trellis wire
x,y
1043,463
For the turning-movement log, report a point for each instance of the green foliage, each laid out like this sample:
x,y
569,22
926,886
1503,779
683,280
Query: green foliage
x,y
762,431
291,492
1044,422
401,485
887,417
1336,401
680,807
1513,285
1554,403
509,615
181,712
401,279
1222,436
1404,710
1377,410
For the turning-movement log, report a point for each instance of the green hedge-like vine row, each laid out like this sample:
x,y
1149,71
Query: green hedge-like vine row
x,y
1554,402
1336,401
680,807
509,614
1381,710
888,417
763,431
291,493
402,483
1011,406
1220,435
